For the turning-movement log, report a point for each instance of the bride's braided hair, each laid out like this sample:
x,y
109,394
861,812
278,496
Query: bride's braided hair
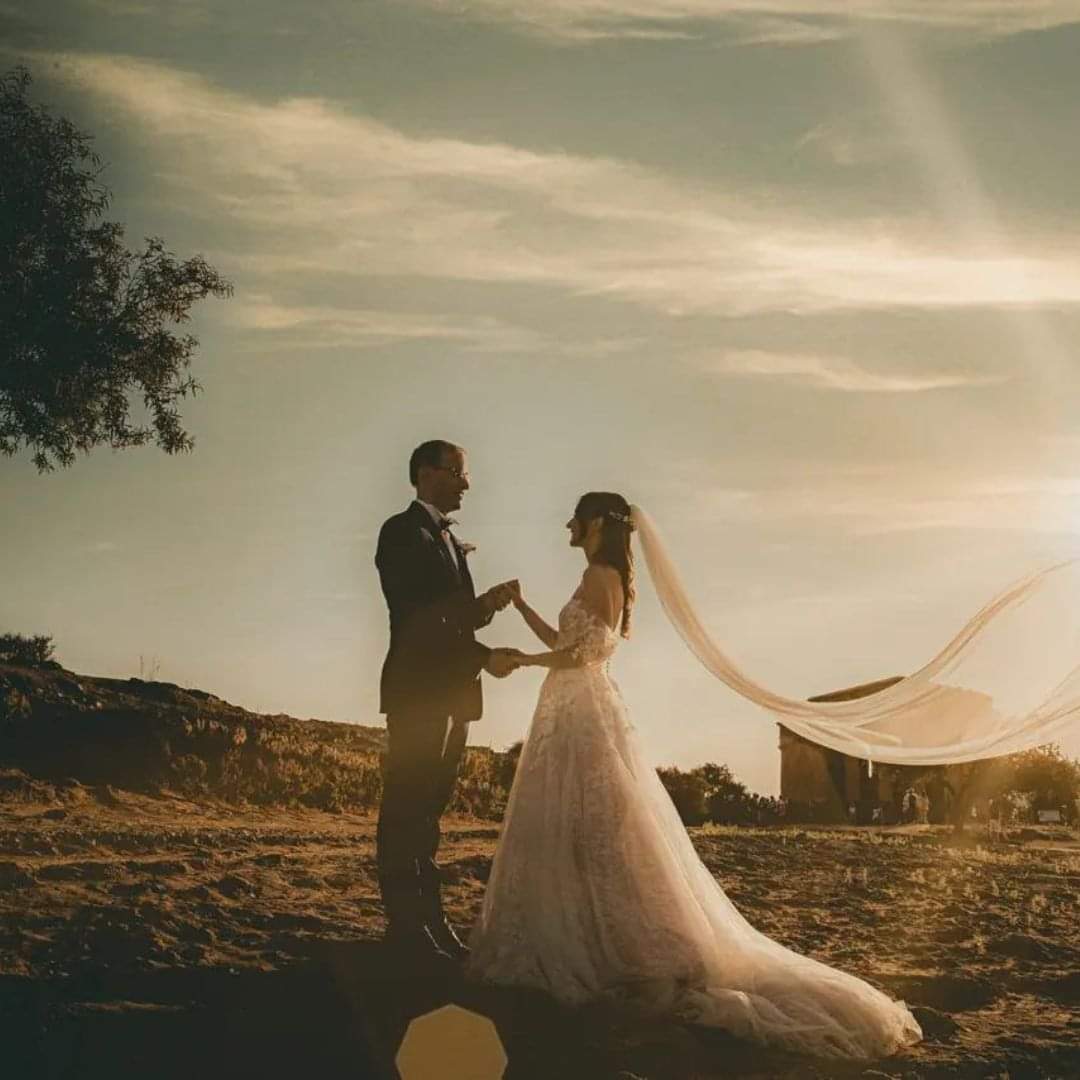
x,y
614,550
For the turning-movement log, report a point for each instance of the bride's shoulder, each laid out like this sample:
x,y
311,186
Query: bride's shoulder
x,y
601,591
600,575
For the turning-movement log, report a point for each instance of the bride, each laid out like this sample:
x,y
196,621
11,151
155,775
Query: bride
x,y
596,891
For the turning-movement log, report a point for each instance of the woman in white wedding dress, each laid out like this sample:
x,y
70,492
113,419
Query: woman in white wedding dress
x,y
596,891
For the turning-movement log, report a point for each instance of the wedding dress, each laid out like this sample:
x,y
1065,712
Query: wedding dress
x,y
596,891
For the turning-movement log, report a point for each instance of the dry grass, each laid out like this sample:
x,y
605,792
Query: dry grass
x,y
189,906
123,921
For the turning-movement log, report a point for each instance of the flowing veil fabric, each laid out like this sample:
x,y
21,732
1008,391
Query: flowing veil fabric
x,y
1010,680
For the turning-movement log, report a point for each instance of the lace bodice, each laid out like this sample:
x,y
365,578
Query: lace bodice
x,y
580,695
589,638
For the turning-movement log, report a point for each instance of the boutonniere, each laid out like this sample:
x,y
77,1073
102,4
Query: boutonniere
x,y
465,547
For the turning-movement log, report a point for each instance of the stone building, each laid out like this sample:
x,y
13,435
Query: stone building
x,y
825,785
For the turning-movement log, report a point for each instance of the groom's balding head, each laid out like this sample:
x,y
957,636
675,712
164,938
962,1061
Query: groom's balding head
x,y
433,454
438,471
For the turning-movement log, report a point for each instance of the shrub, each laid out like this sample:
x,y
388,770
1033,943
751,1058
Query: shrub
x,y
26,651
688,792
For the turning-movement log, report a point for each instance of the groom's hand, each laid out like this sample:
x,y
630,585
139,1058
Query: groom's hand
x,y
498,596
501,662
505,592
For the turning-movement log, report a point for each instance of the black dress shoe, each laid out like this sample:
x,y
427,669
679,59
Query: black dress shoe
x,y
415,944
444,937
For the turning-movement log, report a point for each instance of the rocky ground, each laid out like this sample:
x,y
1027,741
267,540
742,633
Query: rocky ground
x,y
156,936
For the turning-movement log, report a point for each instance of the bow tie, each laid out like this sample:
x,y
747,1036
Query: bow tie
x,y
446,522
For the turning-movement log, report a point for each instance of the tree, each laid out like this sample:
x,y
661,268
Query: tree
x,y
1048,778
84,322
687,791
970,781
727,799
1043,777
26,651
509,763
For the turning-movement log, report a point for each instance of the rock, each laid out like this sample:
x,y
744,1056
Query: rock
x,y
61,872
946,993
951,935
72,792
1022,947
78,871
13,876
936,1026
106,795
233,886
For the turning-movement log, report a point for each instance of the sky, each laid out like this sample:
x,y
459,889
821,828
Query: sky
x,y
799,277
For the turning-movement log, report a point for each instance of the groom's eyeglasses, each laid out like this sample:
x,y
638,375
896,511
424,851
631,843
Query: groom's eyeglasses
x,y
455,472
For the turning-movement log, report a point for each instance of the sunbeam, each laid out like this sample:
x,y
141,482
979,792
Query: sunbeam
x,y
953,182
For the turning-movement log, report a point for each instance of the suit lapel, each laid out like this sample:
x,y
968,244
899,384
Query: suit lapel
x,y
424,522
463,566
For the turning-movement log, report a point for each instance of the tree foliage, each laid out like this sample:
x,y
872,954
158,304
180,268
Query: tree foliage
x,y
1041,778
727,799
1045,776
712,793
26,651
688,792
85,323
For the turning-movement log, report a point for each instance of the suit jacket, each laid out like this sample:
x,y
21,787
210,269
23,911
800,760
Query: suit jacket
x,y
434,661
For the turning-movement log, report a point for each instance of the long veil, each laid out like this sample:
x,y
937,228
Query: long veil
x,y
1008,681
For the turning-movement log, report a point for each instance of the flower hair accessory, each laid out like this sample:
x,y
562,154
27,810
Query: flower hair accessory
x,y
623,519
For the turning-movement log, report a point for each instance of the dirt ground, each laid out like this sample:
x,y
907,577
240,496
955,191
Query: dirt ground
x,y
158,937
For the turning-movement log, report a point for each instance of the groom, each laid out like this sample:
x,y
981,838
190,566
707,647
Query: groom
x,y
430,692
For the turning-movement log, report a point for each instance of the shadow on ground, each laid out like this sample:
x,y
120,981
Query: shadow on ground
x,y
342,1011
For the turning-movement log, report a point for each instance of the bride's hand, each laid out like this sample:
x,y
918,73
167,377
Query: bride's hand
x,y
515,593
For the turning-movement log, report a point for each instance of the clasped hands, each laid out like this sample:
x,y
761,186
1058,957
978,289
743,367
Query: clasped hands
x,y
498,596
502,662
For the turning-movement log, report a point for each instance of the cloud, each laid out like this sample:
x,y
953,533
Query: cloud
x,y
879,499
304,185
189,13
838,373
768,30
848,145
326,326
785,22
100,547
1029,505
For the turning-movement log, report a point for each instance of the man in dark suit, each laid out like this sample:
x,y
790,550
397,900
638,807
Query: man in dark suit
x,y
430,692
